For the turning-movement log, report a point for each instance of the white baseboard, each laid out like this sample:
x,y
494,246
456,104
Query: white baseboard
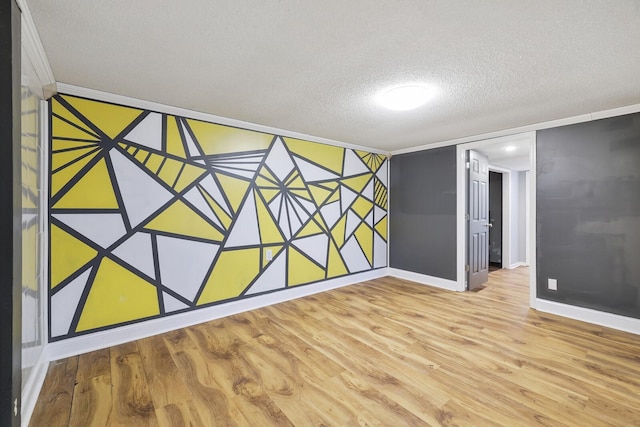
x,y
614,321
99,340
516,265
438,282
31,389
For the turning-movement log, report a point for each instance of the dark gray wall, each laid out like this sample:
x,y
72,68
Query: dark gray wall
x,y
588,214
10,216
422,212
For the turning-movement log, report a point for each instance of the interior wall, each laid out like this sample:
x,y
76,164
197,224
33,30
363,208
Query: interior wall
x,y
588,214
522,217
153,214
518,236
32,280
423,212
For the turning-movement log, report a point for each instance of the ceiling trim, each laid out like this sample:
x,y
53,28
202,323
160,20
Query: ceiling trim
x,y
191,114
32,46
620,111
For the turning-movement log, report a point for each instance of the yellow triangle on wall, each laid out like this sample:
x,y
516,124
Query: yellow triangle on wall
x,y
231,274
68,254
117,295
381,228
109,118
335,265
234,188
60,110
301,269
364,236
220,139
329,156
63,176
93,191
174,142
269,230
180,219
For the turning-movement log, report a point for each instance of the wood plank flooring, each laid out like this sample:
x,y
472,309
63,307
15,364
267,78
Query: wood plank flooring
x,y
382,353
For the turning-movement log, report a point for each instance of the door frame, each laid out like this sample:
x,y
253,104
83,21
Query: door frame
x,y
461,196
506,213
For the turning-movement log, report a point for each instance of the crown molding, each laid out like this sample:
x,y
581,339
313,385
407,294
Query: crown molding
x,y
596,115
34,50
98,95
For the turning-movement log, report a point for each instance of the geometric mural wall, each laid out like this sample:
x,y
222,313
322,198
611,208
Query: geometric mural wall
x,y
152,214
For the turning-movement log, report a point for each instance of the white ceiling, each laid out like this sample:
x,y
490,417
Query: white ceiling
x,y
514,155
315,67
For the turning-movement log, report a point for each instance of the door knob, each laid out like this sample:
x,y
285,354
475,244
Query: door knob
x,y
488,225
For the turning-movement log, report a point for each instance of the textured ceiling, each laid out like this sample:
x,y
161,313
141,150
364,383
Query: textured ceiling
x,y
315,67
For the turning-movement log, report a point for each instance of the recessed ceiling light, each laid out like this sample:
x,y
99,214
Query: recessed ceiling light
x,y
509,148
405,97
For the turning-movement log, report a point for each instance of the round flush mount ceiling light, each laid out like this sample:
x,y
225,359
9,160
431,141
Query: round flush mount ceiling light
x,y
405,97
509,148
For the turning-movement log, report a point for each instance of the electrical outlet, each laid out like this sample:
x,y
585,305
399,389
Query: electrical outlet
x,y
552,284
268,255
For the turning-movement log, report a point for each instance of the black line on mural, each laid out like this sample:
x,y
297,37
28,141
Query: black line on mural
x,y
163,132
290,203
203,284
79,272
139,118
77,159
214,175
293,243
328,249
286,266
230,169
197,211
58,211
162,163
196,143
276,184
204,192
283,252
183,141
118,194
175,181
85,294
180,236
239,157
156,267
78,140
69,122
80,147
271,216
84,239
146,159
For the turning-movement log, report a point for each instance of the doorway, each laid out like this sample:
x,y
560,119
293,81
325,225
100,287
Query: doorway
x,y
507,149
495,219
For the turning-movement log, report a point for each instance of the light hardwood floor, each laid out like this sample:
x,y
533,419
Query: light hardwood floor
x,y
385,352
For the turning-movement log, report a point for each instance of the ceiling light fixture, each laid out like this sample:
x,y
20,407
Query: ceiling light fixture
x,y
405,97
509,148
